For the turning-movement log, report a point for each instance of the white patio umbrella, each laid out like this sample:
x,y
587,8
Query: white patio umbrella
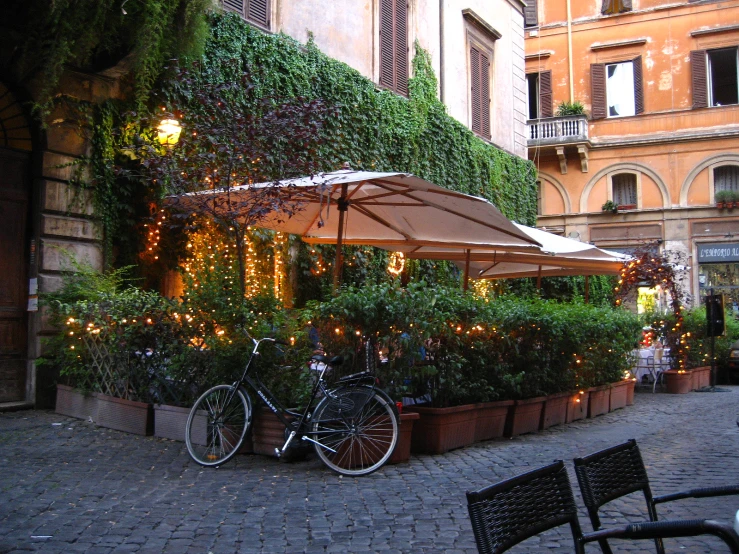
x,y
558,256
395,211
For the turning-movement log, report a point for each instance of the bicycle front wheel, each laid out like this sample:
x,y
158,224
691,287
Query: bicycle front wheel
x,y
217,425
356,430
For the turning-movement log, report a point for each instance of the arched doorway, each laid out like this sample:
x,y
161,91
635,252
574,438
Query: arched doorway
x,y
15,187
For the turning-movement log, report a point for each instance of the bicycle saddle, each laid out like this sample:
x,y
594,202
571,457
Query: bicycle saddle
x,y
336,360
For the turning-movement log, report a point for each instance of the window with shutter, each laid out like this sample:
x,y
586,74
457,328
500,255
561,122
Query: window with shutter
x,y
598,90
699,75
480,91
723,87
530,14
623,189
611,7
394,45
532,95
545,94
638,86
253,11
726,177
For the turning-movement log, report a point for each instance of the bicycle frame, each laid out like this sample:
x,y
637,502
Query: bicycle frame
x,y
297,427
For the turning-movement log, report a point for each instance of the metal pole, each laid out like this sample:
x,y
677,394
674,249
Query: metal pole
x,y
711,313
587,289
466,282
338,262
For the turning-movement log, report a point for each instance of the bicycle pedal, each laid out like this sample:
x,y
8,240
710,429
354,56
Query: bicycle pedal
x,y
278,452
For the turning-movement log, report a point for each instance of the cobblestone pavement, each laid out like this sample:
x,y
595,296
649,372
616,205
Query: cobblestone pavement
x,y
68,486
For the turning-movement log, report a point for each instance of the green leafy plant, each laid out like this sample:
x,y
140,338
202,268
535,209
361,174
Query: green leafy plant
x,y
610,206
724,196
570,108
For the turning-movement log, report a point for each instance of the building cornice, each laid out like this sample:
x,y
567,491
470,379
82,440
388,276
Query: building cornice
x,y
618,43
664,138
539,55
481,25
714,30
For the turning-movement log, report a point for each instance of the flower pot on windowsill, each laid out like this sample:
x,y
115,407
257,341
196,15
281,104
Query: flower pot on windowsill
x,y
439,430
627,206
720,205
678,382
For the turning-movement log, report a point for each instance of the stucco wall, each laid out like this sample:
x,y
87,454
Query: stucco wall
x,y
349,32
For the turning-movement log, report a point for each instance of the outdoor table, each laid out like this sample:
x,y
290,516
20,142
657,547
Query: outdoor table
x,y
649,361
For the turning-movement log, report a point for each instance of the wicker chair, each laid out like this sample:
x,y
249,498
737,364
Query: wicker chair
x,y
618,471
509,512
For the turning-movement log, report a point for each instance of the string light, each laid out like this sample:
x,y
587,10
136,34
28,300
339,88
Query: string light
x,y
396,263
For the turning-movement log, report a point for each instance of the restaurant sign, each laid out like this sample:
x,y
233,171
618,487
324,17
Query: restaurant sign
x,y
718,253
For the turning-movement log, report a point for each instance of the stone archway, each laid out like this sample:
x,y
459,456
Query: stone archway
x,y
725,158
15,200
625,166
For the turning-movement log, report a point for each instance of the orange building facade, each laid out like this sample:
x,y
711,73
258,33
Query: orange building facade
x,y
657,146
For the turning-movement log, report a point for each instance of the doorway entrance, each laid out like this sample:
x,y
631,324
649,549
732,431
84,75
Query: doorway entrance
x,y
15,146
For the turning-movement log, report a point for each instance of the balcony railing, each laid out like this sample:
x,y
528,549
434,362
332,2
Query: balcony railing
x,y
557,130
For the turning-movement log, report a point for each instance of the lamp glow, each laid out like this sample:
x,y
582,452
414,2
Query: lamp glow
x,y
168,131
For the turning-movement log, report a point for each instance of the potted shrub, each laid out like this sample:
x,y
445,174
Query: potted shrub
x,y
678,381
723,197
610,206
570,108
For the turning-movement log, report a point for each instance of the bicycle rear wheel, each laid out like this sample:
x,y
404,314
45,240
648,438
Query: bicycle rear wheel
x,y
356,430
217,425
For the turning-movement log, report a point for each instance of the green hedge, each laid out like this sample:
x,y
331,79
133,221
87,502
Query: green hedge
x,y
506,349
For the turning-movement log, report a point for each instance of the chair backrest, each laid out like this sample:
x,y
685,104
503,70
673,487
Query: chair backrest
x,y
513,510
610,474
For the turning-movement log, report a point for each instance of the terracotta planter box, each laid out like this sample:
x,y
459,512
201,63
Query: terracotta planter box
x,y
170,422
491,419
631,384
267,433
577,406
73,403
600,400
555,410
402,452
701,377
124,415
439,430
525,416
678,383
619,395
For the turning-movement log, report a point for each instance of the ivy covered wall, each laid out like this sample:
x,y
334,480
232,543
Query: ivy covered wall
x,y
375,129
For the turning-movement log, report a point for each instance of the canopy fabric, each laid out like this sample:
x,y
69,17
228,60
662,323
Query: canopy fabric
x,y
560,256
395,211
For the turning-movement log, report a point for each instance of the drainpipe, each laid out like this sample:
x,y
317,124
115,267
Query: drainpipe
x,y
441,50
569,50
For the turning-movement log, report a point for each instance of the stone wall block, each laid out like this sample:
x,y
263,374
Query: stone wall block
x,y
49,282
61,167
55,254
72,227
62,197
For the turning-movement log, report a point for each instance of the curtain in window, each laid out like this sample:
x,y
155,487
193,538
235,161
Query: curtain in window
x,y
620,89
615,6
624,189
726,177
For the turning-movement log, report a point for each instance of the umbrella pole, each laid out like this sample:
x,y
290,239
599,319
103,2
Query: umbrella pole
x,y
587,288
538,280
466,282
339,261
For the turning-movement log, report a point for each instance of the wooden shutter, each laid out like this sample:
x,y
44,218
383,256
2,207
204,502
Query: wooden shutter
x,y
234,6
598,90
545,94
638,86
401,46
475,90
258,12
699,73
387,43
530,14
484,95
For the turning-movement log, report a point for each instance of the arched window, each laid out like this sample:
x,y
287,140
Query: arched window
x,y
726,177
624,190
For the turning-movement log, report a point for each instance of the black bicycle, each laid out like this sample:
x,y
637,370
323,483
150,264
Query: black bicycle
x,y
352,426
